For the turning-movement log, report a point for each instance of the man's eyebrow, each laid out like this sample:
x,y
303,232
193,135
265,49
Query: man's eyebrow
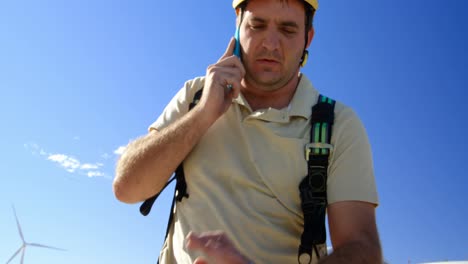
x,y
259,20
281,23
289,24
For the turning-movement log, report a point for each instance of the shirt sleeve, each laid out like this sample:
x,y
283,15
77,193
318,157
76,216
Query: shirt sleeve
x,y
179,105
351,172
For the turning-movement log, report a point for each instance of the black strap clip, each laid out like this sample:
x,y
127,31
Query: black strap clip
x,y
181,185
313,202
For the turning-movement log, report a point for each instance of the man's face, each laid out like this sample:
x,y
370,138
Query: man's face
x,y
272,38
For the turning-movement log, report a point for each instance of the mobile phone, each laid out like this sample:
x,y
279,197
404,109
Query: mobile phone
x,y
237,51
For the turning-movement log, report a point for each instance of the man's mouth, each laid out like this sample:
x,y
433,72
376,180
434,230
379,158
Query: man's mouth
x,y
268,61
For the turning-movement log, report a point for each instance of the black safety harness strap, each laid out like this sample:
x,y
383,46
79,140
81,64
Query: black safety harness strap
x,y
313,188
180,190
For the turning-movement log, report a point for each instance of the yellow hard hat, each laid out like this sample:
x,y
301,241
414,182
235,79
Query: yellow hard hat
x,y
313,3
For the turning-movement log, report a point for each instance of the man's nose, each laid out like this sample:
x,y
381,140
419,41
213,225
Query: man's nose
x,y
271,40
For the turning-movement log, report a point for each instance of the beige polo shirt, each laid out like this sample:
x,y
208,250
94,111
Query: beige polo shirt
x,y
243,175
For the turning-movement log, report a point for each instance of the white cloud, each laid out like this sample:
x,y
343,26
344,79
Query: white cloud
x,y
120,150
57,157
95,174
89,166
72,164
69,163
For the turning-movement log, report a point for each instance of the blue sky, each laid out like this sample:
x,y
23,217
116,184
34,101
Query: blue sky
x,y
79,79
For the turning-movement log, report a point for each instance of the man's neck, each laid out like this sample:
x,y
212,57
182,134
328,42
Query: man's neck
x,y
278,99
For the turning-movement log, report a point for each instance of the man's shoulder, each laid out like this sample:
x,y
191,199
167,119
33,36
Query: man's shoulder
x,y
190,88
343,112
195,84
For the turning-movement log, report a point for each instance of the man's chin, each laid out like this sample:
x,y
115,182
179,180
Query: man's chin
x,y
266,80
267,75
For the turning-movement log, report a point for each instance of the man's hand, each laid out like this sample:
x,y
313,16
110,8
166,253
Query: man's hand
x,y
228,70
216,246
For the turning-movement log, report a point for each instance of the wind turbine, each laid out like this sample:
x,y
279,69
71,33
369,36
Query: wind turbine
x,y
22,249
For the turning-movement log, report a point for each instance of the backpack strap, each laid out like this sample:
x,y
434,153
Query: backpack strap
x,y
313,188
180,190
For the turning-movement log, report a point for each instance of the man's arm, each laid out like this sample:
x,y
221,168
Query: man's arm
x,y
353,232
148,162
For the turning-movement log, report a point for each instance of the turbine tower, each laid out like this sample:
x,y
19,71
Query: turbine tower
x,y
22,249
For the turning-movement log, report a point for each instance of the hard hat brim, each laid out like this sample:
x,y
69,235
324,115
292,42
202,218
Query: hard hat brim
x,y
313,3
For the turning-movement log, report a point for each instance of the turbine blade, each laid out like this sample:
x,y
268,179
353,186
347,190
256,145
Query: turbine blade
x,y
22,255
17,223
44,246
14,255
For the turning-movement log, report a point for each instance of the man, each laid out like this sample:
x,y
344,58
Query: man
x,y
242,148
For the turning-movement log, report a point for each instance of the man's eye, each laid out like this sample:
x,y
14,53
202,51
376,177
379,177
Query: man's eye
x,y
256,27
289,31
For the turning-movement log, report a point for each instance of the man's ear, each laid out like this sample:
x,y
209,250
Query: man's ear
x,y
310,36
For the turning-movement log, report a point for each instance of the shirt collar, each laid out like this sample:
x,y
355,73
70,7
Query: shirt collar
x,y
301,103
240,100
305,97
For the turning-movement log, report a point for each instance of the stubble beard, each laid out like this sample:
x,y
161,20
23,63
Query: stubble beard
x,y
268,80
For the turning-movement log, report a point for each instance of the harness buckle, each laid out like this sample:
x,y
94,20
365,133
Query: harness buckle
x,y
316,145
